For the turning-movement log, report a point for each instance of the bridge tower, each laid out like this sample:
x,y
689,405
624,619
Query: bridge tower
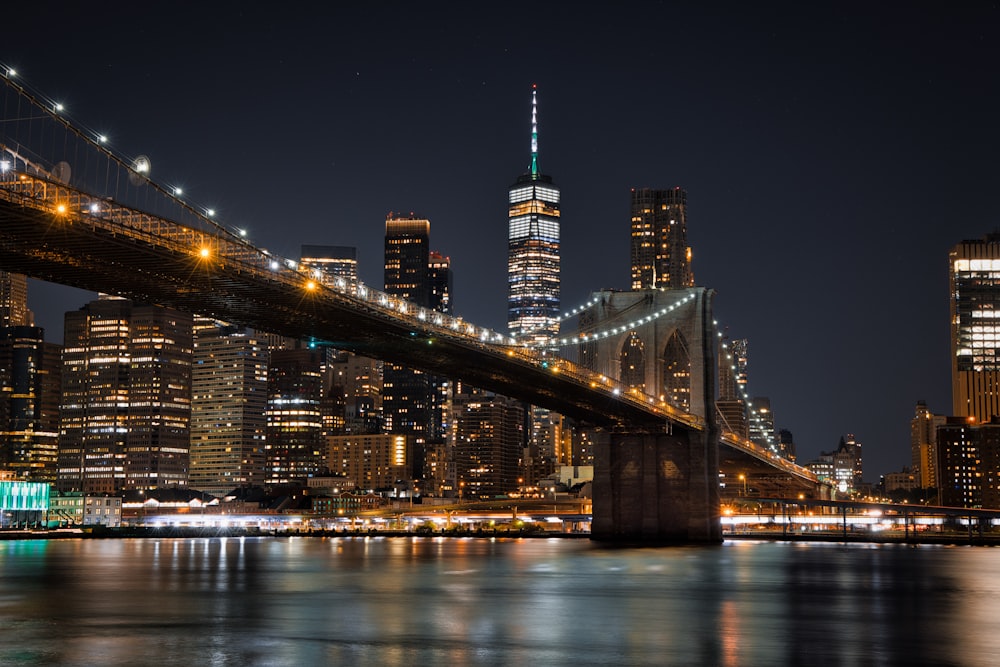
x,y
656,484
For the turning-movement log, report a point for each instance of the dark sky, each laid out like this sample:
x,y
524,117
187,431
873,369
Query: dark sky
x,y
832,154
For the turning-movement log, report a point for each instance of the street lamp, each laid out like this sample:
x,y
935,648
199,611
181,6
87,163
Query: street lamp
x,y
743,478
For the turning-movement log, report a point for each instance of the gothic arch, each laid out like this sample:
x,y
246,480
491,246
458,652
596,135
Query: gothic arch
x,y
632,362
676,380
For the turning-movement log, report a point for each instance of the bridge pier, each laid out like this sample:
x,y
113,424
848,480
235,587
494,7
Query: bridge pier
x,y
656,488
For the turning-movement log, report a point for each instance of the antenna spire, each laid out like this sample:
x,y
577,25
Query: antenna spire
x,y
534,130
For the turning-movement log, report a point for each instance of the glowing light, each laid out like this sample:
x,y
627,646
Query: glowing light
x,y
311,285
4,165
11,72
61,208
274,265
178,192
102,139
210,212
58,107
204,252
243,233
94,208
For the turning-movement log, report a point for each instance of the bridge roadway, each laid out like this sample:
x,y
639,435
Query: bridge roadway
x,y
56,233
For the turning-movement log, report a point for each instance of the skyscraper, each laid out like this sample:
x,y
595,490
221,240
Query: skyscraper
x,y
295,447
228,406
14,300
975,328
405,391
923,445
533,248
660,254
126,397
29,403
331,262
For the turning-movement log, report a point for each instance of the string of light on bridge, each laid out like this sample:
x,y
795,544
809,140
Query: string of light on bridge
x,y
140,163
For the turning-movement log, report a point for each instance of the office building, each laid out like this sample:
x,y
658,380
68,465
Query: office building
x,y
370,461
923,445
407,392
329,262
533,260
126,397
295,448
488,442
228,408
30,371
14,301
660,253
974,272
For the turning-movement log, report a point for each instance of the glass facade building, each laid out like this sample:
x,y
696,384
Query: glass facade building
x,y
533,263
975,328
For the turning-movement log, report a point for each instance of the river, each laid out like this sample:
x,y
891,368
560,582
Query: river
x,y
474,601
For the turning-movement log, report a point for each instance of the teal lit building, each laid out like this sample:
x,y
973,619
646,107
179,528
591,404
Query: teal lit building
x,y
23,503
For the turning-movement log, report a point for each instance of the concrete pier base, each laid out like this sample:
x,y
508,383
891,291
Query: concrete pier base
x,y
656,488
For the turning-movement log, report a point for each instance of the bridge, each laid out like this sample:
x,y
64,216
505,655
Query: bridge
x,y
74,212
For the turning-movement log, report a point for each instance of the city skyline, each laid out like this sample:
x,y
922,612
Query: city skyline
x,y
813,144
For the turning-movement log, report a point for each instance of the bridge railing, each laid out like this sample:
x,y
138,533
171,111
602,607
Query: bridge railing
x,y
63,201
764,454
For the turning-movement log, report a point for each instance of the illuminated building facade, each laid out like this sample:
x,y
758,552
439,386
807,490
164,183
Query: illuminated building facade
x,y
329,262
489,436
228,410
295,448
23,504
370,460
407,393
126,397
533,261
923,445
29,403
14,300
660,253
974,273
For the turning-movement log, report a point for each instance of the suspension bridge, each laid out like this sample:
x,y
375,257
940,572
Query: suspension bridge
x,y
74,212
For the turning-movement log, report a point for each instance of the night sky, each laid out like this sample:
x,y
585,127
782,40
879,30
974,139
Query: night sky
x,y
832,154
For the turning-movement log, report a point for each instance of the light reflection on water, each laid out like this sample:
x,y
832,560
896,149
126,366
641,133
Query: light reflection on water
x,y
421,601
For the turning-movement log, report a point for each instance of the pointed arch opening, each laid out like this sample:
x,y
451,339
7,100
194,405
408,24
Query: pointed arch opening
x,y
677,372
632,363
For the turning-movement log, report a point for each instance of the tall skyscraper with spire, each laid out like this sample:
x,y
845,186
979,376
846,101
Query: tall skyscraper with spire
x,y
533,248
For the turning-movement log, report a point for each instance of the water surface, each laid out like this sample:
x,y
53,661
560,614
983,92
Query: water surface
x,y
467,601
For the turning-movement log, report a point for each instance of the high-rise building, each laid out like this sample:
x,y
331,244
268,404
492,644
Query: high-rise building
x,y
975,328
29,403
330,262
14,301
660,253
533,262
761,423
959,463
732,387
228,407
126,397
295,447
406,392
923,445
488,441
370,460
407,258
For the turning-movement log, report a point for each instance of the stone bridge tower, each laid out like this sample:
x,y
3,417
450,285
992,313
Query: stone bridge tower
x,y
656,485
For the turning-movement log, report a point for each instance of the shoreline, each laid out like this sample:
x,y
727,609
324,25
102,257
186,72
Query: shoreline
x,y
189,533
